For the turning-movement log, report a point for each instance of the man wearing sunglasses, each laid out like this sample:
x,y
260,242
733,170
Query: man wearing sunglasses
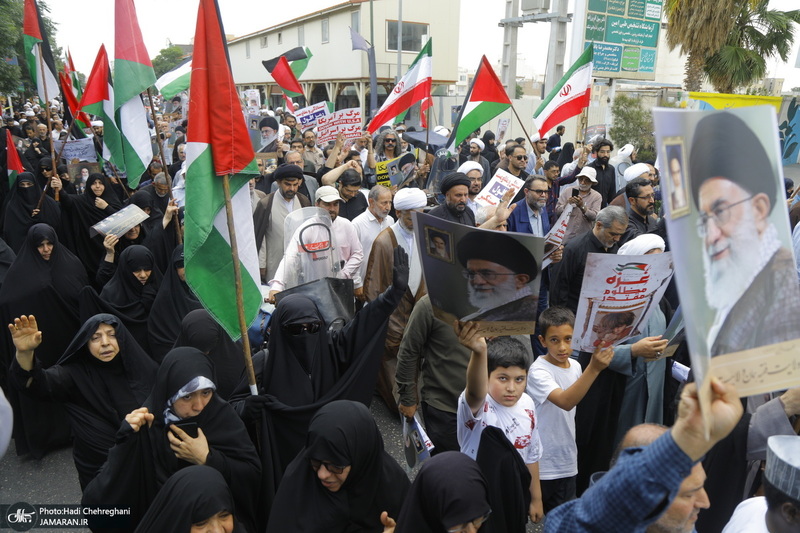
x,y
750,279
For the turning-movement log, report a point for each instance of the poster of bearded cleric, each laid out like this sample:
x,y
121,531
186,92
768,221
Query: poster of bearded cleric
x,y
733,251
485,276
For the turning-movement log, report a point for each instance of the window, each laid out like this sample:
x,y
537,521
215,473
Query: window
x,y
325,31
301,35
247,49
264,41
280,38
413,35
355,21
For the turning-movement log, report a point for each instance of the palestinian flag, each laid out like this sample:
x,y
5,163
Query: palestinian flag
x,y
412,88
569,97
38,55
486,99
285,75
98,99
133,74
13,162
175,81
73,74
76,118
214,149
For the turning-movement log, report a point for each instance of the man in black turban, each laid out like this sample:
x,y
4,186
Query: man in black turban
x,y
499,271
455,188
750,278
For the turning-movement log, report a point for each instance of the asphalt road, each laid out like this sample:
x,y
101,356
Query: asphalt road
x,y
54,480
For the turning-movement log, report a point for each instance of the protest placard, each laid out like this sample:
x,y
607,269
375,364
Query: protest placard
x,y
307,117
120,222
417,445
729,233
79,172
500,183
617,296
486,276
346,121
77,150
555,236
502,128
268,161
395,171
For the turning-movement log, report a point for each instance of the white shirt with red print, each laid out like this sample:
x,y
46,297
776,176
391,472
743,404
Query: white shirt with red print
x,y
518,423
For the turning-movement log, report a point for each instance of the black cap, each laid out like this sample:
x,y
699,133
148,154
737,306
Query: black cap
x,y
451,180
288,171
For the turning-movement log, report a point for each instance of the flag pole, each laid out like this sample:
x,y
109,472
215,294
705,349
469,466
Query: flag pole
x,y
237,276
163,162
53,163
522,125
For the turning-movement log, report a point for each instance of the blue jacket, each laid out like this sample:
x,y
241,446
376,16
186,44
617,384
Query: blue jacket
x,y
519,221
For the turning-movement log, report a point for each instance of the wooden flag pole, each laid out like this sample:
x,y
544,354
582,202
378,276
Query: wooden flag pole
x,y
237,276
53,164
164,162
523,126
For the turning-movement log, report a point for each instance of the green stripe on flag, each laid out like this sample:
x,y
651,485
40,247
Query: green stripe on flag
x,y
131,79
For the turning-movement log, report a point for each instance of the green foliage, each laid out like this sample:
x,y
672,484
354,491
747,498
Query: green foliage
x,y
167,59
633,124
518,91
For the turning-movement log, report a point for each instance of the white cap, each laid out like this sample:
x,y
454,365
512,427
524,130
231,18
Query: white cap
x,y
327,194
589,172
410,198
783,464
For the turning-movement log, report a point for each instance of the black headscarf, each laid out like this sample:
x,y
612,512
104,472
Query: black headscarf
x,y
48,290
99,394
200,330
143,461
126,293
189,496
489,150
80,213
448,491
174,301
160,240
7,257
341,433
566,155
21,203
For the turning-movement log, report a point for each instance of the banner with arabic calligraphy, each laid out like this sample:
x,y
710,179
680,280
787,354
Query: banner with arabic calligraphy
x,y
619,292
307,117
346,121
500,183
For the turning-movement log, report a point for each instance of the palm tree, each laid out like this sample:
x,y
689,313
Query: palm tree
x,y
759,33
700,28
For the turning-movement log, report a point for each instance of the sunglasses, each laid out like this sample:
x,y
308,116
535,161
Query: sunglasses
x,y
389,141
521,157
333,469
297,329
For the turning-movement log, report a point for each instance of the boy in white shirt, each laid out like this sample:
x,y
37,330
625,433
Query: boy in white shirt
x,y
495,396
556,384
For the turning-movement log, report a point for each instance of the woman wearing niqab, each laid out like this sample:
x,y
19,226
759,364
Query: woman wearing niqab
x,y
150,447
19,216
342,433
48,289
97,393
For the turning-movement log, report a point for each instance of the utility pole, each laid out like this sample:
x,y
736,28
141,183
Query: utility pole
x,y
508,67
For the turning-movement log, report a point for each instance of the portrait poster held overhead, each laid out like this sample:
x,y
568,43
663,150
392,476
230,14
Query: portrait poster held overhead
x,y
479,275
731,245
396,171
120,222
617,296
555,236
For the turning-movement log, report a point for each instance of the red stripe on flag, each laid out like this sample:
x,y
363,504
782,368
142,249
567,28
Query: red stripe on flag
x,y
405,101
72,102
215,114
128,42
487,86
13,161
30,25
565,111
284,77
97,84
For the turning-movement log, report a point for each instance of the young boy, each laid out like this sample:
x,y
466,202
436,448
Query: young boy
x,y
556,384
495,396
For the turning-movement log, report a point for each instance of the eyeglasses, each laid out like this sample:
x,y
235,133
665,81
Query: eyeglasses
x,y
333,469
390,141
478,522
651,196
487,275
297,329
540,191
521,157
720,215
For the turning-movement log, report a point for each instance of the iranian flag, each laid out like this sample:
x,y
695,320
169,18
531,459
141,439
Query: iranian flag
x,y
98,99
485,100
414,87
133,74
175,81
13,161
568,97
214,149
38,55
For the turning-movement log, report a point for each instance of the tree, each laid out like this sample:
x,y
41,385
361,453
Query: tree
x,y
518,91
633,124
700,28
759,33
167,59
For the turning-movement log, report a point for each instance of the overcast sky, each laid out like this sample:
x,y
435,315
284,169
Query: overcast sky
x,y
83,25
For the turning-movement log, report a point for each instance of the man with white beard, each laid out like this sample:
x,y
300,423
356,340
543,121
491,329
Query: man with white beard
x,y
750,277
499,271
